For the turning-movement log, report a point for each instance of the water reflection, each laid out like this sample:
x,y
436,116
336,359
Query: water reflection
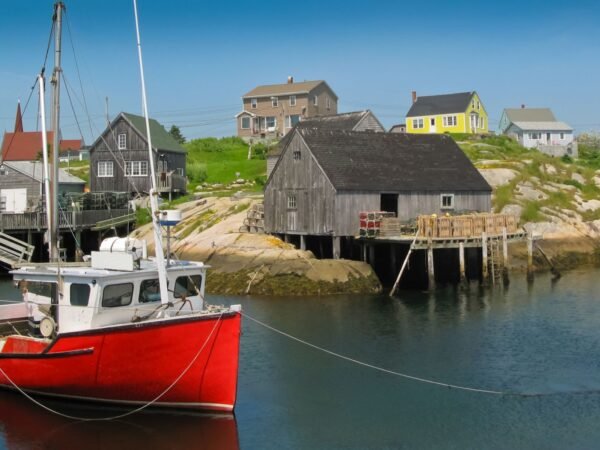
x,y
25,426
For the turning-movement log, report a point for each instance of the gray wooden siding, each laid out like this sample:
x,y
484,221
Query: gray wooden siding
x,y
13,179
271,161
106,150
347,207
314,212
369,123
412,204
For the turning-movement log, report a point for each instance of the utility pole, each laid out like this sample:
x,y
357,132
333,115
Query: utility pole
x,y
53,226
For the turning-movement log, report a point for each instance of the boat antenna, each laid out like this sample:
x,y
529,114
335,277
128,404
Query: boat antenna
x,y
53,203
158,250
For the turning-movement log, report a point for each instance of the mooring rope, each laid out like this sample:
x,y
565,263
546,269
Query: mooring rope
x,y
411,377
128,413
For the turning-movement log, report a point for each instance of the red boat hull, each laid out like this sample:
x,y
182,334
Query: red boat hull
x,y
135,363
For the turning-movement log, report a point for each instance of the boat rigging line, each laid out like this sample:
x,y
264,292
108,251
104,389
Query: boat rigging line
x,y
412,377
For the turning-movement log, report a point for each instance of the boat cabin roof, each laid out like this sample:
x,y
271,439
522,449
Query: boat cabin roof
x,y
147,268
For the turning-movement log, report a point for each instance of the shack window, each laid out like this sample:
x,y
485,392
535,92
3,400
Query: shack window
x,y
105,169
79,294
447,201
117,295
291,202
187,286
122,141
149,291
297,155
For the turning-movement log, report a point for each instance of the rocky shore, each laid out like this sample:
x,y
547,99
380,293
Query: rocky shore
x,y
245,263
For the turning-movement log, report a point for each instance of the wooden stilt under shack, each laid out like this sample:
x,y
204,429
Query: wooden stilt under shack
x,y
487,234
529,257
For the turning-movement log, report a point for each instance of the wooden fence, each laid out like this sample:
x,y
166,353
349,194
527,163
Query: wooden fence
x,y
67,219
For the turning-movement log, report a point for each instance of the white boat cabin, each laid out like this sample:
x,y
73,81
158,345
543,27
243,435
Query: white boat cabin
x,y
92,297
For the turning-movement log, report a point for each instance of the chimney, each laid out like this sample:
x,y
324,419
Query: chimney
x,y
414,97
290,80
522,106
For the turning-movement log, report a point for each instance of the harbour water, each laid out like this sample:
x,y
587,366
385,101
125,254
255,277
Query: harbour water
x,y
541,338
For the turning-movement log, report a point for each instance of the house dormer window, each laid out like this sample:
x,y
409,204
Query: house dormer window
x,y
292,100
478,105
274,102
253,103
122,141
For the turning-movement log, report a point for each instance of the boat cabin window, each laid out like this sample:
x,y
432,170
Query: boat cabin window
x,y
149,291
187,286
38,291
79,294
117,295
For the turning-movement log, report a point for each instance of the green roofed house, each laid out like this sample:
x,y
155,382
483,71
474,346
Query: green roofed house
x,y
119,158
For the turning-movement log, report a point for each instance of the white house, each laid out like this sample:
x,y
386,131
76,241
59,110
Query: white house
x,y
538,128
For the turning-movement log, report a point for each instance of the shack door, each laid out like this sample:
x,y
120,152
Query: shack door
x,y
13,200
389,203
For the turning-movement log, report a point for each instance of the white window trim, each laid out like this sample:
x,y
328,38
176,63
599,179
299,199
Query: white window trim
x,y
316,100
328,102
136,168
291,201
253,103
122,141
418,123
275,102
242,123
450,121
445,195
267,122
292,100
103,169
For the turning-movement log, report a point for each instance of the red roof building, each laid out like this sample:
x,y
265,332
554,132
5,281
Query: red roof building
x,y
26,145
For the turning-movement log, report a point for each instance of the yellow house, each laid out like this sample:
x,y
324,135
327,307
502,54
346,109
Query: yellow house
x,y
448,113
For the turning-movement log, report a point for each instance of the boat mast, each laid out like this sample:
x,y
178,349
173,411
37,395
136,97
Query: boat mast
x,y
158,249
52,204
41,81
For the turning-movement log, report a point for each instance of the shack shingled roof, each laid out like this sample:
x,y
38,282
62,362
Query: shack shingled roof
x,y
392,162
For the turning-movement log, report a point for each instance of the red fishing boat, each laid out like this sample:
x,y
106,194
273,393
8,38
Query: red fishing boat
x,y
122,328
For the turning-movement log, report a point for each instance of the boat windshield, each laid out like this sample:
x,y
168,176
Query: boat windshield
x,y
37,291
187,286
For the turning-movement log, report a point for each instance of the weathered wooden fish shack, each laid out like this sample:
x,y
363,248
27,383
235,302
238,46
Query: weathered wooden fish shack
x,y
324,179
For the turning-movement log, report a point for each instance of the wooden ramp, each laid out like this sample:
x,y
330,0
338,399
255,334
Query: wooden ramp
x,y
13,251
114,222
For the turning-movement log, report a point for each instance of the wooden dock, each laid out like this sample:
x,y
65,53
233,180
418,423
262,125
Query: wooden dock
x,y
490,232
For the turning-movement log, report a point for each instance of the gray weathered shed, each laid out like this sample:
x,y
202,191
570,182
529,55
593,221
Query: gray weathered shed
x,y
324,178
119,158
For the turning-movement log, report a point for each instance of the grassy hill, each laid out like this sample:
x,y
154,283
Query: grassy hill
x,y
224,160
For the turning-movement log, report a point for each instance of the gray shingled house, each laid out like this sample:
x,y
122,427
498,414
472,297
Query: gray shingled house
x,y
325,178
119,158
350,121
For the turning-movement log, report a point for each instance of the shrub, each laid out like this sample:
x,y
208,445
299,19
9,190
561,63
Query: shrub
x,y
196,172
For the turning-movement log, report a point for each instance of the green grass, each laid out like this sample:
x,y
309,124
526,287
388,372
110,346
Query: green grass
x,y
531,212
224,158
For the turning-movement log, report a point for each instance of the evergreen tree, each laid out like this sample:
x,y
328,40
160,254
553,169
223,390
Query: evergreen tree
x,y
176,133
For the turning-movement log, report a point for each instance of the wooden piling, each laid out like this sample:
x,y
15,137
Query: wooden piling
x,y
430,268
529,257
505,278
484,258
372,255
302,242
461,259
363,249
336,247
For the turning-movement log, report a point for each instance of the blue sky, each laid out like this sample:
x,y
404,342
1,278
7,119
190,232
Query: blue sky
x,y
201,57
